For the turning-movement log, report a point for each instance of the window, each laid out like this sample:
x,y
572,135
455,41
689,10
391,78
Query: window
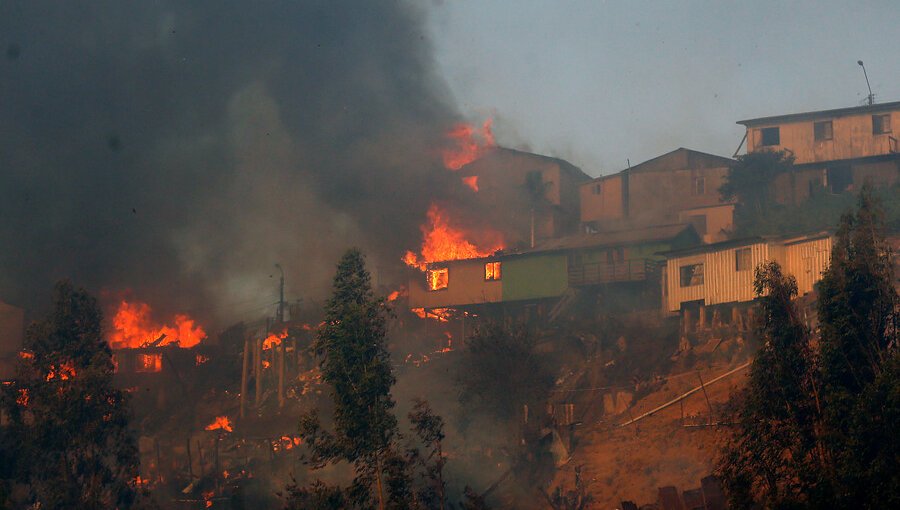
x,y
438,278
615,255
492,271
823,130
742,260
597,188
691,275
881,124
770,136
149,363
698,187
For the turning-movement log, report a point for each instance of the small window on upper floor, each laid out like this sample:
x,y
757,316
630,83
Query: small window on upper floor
x,y
770,136
492,271
881,124
698,186
823,130
597,188
742,259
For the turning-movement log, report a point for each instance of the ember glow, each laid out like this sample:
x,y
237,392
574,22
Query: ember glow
x,y
472,182
401,292
274,339
62,372
133,327
468,144
220,423
442,241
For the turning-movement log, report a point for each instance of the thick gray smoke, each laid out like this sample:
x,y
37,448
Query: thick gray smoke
x,y
180,149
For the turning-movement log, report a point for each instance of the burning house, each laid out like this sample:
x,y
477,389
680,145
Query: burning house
x,y
546,272
834,150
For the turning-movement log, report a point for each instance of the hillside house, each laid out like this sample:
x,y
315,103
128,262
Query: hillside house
x,y
626,257
513,183
834,150
720,276
680,186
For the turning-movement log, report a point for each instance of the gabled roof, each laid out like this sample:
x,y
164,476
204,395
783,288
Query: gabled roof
x,y
567,167
838,112
677,159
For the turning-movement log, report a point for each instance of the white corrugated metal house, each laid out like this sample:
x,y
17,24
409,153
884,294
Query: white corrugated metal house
x,y
722,273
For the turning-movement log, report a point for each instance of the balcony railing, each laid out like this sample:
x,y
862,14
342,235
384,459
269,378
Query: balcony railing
x,y
596,273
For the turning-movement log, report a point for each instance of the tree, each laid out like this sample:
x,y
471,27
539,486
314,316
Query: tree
x,y
859,366
429,428
750,181
67,440
501,370
774,456
356,364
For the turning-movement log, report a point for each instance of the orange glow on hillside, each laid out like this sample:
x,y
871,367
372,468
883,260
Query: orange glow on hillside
x,y
472,182
441,241
220,423
468,144
133,327
63,371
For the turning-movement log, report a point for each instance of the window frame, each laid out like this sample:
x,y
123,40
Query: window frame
x,y
497,273
738,252
692,276
428,279
698,185
762,136
817,131
878,128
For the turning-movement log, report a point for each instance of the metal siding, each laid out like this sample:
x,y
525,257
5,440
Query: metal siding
x,y
677,293
725,284
807,260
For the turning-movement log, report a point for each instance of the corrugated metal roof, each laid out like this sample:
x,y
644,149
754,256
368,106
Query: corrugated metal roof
x,y
616,238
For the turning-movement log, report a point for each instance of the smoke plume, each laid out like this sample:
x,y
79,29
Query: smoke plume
x,y
181,149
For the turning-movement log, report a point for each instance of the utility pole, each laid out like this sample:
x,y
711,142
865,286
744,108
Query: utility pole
x,y
871,98
279,317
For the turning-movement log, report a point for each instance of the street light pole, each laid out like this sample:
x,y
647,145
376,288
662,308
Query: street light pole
x,y
280,315
871,98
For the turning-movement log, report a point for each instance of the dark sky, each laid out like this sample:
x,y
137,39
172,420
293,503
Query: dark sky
x,y
178,150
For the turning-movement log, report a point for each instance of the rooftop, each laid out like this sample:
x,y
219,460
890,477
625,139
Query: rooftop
x,y
838,112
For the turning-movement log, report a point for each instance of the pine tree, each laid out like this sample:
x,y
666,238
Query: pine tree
x,y
67,439
861,392
773,457
356,364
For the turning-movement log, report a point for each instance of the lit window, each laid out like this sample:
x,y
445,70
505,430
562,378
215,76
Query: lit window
x,y
770,136
149,363
881,124
437,279
823,130
742,259
691,275
492,271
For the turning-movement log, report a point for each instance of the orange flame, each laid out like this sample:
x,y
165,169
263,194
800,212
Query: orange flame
x,y
274,339
468,144
220,423
63,371
444,242
133,328
472,182
393,296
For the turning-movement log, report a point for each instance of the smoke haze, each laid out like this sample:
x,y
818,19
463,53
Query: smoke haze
x,y
181,149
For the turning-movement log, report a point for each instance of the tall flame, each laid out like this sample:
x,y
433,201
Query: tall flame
x,y
441,241
220,423
468,144
133,327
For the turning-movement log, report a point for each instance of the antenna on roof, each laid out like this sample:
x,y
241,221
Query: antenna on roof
x,y
870,100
